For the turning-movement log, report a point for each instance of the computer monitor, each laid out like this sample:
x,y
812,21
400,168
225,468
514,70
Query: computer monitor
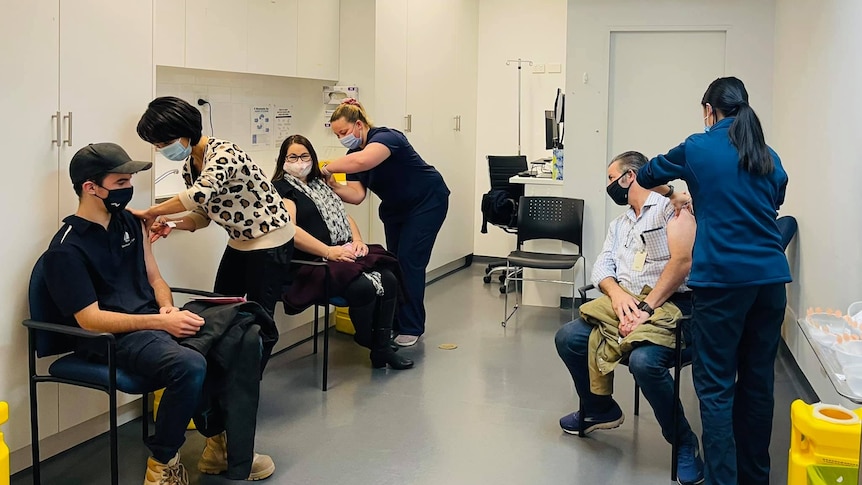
x,y
552,136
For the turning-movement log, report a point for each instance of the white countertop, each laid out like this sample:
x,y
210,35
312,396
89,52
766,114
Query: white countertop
x,y
535,181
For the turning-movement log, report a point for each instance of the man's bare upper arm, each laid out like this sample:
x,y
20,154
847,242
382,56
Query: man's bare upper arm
x,y
680,236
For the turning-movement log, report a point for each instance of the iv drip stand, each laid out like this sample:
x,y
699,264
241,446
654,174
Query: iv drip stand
x,y
530,63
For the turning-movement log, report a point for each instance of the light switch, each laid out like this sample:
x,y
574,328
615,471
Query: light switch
x,y
538,68
555,68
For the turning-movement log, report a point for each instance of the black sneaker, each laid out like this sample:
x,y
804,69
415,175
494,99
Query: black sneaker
x,y
607,420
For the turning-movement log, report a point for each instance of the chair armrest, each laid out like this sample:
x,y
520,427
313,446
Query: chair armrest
x,y
303,262
583,291
190,291
68,330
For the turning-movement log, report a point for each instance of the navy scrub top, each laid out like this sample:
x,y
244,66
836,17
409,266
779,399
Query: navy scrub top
x,y
737,243
403,181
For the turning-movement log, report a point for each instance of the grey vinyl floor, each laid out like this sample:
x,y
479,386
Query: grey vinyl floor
x,y
484,413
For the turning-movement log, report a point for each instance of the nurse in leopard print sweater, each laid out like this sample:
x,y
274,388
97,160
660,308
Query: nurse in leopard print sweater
x,y
226,187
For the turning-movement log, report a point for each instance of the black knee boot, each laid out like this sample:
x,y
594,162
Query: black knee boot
x,y
381,349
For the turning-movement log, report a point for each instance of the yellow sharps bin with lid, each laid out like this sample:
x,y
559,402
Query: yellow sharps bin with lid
x,y
821,434
4,449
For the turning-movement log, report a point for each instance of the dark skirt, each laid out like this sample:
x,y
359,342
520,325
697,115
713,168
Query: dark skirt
x,y
308,281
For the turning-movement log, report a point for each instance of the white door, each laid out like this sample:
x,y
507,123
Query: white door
x,y
217,35
106,81
657,80
28,99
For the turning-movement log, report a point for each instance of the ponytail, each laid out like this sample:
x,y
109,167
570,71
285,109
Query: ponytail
x,y
352,111
728,96
746,134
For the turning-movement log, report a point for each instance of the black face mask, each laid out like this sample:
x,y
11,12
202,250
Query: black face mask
x,y
117,199
618,193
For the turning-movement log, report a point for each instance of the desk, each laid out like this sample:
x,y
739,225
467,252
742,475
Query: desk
x,y
544,294
827,359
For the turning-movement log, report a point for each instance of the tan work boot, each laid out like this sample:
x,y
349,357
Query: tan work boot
x,y
214,460
171,473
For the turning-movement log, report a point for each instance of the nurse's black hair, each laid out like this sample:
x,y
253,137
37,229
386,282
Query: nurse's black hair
x,y
278,174
168,118
728,96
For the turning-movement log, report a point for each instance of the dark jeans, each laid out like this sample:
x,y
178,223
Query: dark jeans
x,y
649,365
180,370
736,333
412,241
259,275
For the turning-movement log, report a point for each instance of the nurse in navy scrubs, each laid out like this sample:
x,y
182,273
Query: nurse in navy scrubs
x,y
414,200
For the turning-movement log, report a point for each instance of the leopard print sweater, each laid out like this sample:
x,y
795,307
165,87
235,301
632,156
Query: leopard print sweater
x,y
235,193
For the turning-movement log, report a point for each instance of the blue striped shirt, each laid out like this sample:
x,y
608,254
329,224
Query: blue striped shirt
x,y
629,235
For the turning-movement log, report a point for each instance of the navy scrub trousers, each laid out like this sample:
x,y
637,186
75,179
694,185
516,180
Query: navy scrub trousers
x,y
412,240
736,332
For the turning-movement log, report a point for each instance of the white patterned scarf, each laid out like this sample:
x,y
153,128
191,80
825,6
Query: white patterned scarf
x,y
329,205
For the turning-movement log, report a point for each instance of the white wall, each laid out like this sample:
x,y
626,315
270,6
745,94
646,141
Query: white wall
x,y
816,132
509,29
749,25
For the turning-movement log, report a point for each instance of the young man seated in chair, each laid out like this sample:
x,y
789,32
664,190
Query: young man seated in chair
x,y
100,269
646,246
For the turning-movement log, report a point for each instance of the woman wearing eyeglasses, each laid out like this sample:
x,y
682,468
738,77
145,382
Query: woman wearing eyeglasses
x,y
365,275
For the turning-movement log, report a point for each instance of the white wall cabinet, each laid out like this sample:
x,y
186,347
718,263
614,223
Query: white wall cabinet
x,y
84,76
425,77
317,39
274,37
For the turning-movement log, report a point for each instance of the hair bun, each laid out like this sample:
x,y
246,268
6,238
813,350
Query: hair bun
x,y
350,101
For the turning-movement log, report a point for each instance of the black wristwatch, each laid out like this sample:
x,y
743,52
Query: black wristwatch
x,y
669,192
644,307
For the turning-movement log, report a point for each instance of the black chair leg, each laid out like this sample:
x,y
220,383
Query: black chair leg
x,y
316,328
581,423
145,422
637,399
34,432
325,349
115,462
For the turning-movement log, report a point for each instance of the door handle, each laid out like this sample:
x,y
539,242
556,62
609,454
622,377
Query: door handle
x,y
408,123
68,140
55,120
458,123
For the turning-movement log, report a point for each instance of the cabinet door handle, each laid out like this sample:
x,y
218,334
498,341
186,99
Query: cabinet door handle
x,y
408,123
458,123
68,140
55,120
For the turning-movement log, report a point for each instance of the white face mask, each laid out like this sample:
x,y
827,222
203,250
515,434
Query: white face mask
x,y
299,169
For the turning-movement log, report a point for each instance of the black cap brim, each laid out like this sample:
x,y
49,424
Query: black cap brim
x,y
131,167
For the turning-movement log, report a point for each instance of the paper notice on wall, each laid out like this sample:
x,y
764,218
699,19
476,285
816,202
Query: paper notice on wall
x,y
261,126
327,115
283,123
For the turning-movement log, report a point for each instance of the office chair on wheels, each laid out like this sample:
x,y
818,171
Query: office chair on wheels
x,y
500,206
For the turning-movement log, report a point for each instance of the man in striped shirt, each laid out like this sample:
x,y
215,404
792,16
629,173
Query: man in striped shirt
x,y
647,245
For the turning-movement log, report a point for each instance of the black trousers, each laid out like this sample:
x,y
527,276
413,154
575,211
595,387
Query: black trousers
x,y
736,332
259,275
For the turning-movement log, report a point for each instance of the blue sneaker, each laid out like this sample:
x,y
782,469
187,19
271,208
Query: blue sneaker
x,y
607,420
689,470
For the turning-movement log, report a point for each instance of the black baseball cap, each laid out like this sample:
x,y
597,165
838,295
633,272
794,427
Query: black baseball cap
x,y
97,159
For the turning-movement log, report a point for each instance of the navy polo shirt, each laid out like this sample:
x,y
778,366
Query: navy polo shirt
x,y
86,263
738,243
403,181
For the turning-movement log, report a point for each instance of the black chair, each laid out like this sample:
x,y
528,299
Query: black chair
x,y
50,334
325,302
558,218
500,169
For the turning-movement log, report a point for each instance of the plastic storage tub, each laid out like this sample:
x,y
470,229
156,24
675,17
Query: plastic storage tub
x,y
343,323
